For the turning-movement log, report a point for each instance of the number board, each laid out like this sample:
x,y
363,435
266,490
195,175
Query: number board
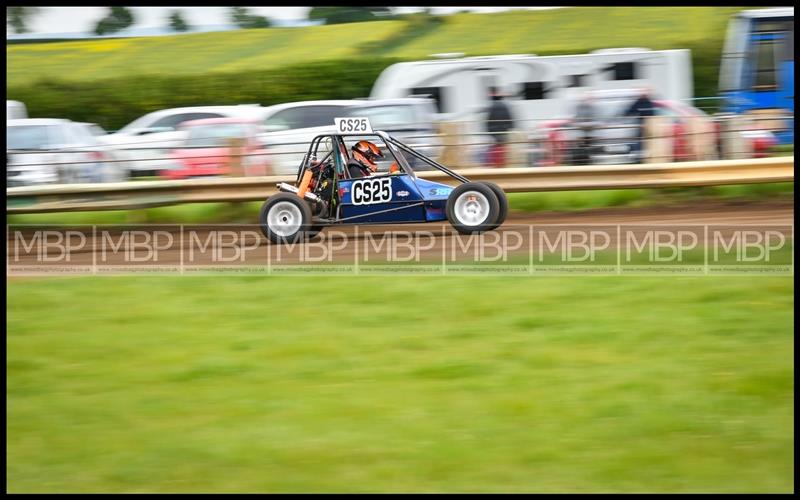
x,y
371,191
352,125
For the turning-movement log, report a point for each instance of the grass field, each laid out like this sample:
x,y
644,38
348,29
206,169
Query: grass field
x,y
572,30
429,384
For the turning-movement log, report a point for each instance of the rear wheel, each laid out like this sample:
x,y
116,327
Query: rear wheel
x,y
314,231
501,198
473,207
285,218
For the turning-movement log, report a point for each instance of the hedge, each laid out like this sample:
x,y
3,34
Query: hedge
x,y
115,102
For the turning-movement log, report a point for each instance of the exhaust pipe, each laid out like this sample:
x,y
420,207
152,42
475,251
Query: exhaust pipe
x,y
288,188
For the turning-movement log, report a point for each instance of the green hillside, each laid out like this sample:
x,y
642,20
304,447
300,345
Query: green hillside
x,y
189,54
572,30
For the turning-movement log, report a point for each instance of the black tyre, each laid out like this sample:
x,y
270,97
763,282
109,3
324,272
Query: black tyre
x,y
501,198
285,218
473,208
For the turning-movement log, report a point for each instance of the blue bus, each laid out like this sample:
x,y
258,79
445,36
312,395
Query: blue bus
x,y
757,70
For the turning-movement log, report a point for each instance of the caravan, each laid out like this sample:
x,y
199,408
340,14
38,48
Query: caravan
x,y
538,88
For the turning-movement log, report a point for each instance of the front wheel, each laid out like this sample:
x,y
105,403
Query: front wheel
x,y
502,200
473,207
285,218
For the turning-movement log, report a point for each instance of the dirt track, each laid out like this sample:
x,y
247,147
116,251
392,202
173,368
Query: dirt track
x,y
243,245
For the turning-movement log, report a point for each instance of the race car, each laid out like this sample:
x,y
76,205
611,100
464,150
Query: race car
x,y
326,192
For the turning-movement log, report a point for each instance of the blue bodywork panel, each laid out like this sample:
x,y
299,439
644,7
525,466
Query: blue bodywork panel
x,y
748,96
435,195
391,199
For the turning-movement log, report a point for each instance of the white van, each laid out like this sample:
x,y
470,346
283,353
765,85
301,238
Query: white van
x,y
15,110
538,88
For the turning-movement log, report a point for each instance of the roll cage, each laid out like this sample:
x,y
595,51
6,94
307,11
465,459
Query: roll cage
x,y
338,150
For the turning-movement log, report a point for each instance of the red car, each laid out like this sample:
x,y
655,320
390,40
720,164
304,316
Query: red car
x,y
207,149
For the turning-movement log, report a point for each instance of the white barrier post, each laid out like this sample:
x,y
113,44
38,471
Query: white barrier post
x,y
734,145
658,141
516,149
700,138
235,161
452,152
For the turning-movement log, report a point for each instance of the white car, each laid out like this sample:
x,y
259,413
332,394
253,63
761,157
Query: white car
x,y
289,128
93,129
15,110
56,151
147,141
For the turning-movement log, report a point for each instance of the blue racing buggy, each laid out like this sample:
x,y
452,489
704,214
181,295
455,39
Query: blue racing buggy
x,y
328,191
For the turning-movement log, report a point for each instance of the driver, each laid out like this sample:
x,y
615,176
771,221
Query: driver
x,y
363,162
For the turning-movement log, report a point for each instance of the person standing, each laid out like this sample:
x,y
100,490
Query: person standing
x,y
498,122
642,108
585,120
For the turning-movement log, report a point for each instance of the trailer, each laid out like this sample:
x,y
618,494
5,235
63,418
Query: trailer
x,y
537,87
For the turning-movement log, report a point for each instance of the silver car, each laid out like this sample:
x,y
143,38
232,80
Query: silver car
x,y
56,151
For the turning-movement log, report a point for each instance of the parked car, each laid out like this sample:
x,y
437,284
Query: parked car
x,y
53,151
207,149
289,128
93,129
15,110
411,120
147,141
612,136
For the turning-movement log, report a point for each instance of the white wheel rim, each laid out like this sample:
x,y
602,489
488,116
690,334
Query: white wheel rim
x,y
284,218
472,208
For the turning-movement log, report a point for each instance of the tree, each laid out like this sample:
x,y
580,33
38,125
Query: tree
x,y
177,22
242,18
18,18
339,15
239,15
117,19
